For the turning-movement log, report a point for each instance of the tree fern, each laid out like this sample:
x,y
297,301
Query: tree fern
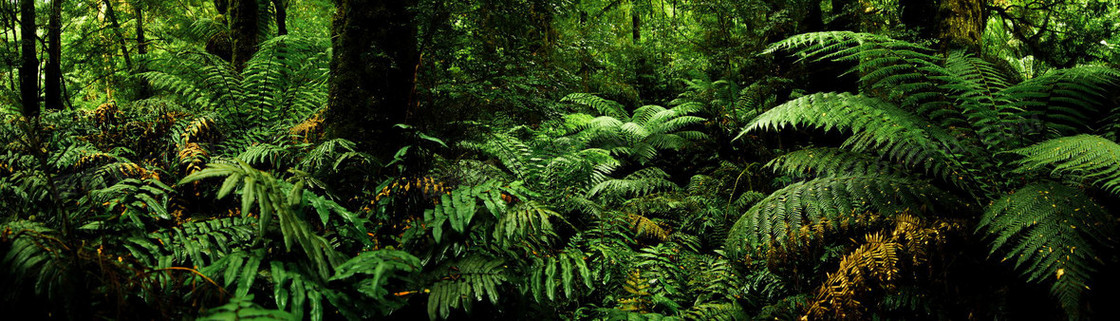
x,y
835,199
1085,157
825,161
1051,230
605,107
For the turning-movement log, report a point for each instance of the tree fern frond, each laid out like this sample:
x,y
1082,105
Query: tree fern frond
x,y
878,125
1085,157
835,199
605,107
641,182
1066,99
827,161
1051,230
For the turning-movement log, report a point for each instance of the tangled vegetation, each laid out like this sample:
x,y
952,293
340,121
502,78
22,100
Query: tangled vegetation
x,y
560,159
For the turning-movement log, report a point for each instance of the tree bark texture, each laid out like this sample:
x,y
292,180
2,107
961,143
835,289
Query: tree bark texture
x,y
281,7
144,89
52,87
957,23
29,70
243,28
372,70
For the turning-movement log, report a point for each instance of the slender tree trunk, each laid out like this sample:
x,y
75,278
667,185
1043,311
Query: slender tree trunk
x,y
281,16
372,71
243,19
112,16
636,24
29,71
143,89
222,6
52,87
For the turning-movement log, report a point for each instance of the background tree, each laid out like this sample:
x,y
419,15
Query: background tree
x,y
52,88
373,70
244,19
29,70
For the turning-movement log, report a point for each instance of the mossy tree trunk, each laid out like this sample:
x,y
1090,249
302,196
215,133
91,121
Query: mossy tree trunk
x,y
957,23
372,71
243,27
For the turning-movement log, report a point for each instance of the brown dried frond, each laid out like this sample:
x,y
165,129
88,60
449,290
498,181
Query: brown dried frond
x,y
638,287
133,170
106,114
310,130
89,158
877,265
647,229
199,129
427,187
193,156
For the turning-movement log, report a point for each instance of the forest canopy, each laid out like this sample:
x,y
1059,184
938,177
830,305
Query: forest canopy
x,y
559,159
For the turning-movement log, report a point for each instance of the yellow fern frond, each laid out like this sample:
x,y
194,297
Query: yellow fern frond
x,y
647,229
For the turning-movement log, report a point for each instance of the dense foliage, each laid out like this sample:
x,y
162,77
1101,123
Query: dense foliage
x,y
559,159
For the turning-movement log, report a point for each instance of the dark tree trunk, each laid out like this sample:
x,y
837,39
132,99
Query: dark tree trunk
x,y
372,71
52,88
143,89
112,16
957,23
636,24
243,28
281,16
222,6
29,70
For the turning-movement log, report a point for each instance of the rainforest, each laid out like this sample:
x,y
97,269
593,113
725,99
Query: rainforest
x,y
559,159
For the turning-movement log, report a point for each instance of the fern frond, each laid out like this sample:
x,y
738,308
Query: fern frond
x,y
466,282
646,228
875,262
243,308
825,161
641,182
835,199
878,126
276,199
527,221
375,269
193,243
1085,157
1051,230
559,274
1067,99
34,258
605,107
